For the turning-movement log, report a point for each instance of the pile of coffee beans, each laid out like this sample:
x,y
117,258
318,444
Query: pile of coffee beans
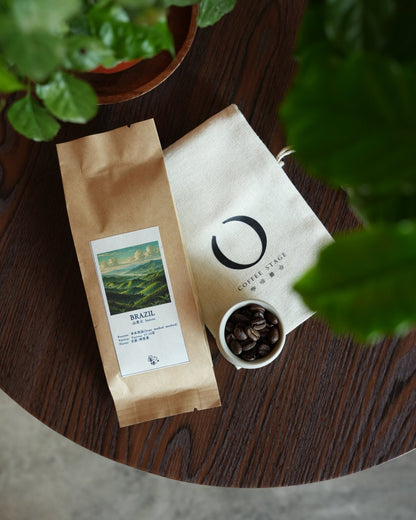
x,y
251,332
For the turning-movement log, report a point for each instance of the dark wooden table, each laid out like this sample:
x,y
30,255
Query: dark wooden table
x,y
325,408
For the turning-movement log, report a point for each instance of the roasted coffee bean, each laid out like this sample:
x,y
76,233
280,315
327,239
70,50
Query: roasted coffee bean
x,y
229,338
257,319
254,307
248,345
258,324
252,332
239,333
273,335
264,349
239,316
229,327
264,329
271,318
236,347
264,332
250,355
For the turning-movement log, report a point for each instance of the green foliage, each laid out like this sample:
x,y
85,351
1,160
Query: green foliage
x,y
8,81
364,282
351,117
41,46
353,123
352,25
30,16
211,11
32,120
35,54
68,98
85,53
112,25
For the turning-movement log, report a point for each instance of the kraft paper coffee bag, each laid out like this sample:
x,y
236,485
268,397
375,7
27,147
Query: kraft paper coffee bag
x,y
138,283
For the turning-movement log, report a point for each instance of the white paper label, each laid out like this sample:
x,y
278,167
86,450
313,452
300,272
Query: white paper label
x,y
139,303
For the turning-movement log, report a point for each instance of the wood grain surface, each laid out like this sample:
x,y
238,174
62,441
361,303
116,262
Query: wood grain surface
x,y
326,407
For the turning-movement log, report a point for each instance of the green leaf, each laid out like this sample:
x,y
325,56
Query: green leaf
x,y
85,53
402,42
111,25
312,30
364,282
151,40
375,205
359,24
353,122
147,16
31,35
210,11
36,54
69,98
43,15
8,81
385,26
32,120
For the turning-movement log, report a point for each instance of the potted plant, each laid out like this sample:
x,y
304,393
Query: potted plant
x,y
43,50
351,118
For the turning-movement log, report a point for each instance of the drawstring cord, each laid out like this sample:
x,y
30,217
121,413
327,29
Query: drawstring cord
x,y
284,152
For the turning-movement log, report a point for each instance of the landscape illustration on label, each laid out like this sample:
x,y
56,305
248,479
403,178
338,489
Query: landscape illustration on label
x,y
134,278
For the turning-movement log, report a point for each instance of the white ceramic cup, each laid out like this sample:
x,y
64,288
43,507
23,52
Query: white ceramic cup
x,y
237,361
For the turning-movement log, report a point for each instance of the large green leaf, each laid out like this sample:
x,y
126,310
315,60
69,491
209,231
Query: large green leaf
x,y
69,98
32,120
31,35
312,31
35,54
359,24
376,206
402,43
353,122
364,283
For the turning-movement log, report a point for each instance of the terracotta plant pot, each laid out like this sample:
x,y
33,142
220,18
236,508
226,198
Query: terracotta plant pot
x,y
144,75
